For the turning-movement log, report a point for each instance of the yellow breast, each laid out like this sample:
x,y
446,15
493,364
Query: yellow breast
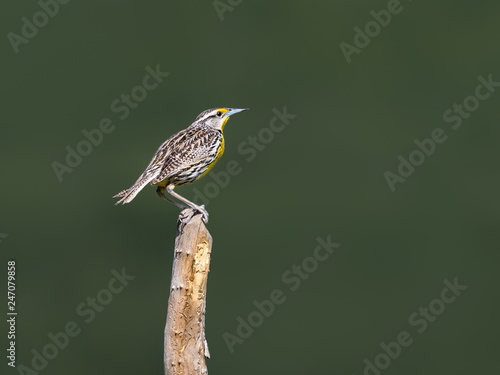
x,y
217,157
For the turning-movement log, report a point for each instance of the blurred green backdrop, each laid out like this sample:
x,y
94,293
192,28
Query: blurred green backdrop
x,y
322,175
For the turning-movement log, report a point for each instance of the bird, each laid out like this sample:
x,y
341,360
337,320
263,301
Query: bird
x,y
184,158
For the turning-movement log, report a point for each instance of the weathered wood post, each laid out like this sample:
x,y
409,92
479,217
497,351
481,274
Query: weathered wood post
x,y
185,343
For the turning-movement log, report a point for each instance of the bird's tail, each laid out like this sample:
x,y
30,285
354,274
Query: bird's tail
x,y
128,194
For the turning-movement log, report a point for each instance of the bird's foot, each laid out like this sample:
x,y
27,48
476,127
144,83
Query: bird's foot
x,y
204,212
186,215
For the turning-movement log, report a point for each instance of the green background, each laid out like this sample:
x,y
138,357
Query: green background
x,y
322,175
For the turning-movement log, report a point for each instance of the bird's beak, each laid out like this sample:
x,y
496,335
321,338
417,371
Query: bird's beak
x,y
233,111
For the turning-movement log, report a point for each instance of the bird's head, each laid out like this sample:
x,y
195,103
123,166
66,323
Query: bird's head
x,y
217,117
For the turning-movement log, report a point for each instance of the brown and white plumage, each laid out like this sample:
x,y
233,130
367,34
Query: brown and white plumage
x,y
184,158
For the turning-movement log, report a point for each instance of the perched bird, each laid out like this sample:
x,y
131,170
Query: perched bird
x,y
184,158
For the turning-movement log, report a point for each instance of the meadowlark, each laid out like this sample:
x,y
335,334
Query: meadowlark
x,y
185,158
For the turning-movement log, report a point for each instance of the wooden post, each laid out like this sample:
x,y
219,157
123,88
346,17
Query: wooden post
x,y
185,343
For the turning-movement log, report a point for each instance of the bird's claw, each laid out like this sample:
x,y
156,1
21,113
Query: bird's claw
x,y
187,215
204,212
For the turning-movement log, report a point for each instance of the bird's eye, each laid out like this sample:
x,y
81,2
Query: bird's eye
x,y
219,114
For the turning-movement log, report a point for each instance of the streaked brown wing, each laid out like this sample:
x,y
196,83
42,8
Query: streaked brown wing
x,y
188,147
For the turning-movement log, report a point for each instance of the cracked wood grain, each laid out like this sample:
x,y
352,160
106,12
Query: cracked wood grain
x,y
185,343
